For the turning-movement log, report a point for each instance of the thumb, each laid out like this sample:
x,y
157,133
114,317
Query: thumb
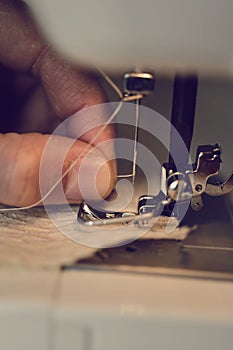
x,y
20,158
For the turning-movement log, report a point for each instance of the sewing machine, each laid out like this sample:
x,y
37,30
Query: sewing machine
x,y
149,293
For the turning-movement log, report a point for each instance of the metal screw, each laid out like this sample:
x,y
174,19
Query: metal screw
x,y
198,188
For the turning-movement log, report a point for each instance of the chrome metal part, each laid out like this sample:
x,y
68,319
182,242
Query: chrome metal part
x,y
86,214
129,219
207,164
180,188
135,83
220,189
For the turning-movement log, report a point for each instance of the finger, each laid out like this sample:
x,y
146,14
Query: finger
x,y
20,157
71,90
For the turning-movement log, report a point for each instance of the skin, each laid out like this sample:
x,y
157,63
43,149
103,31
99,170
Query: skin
x,y
39,89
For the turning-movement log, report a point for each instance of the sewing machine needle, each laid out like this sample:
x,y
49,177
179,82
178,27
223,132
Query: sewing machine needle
x,y
137,120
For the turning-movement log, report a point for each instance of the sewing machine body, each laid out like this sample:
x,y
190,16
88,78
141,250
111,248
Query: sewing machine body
x,y
163,35
106,310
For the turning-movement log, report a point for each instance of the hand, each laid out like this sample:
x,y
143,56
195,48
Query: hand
x,y
57,89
